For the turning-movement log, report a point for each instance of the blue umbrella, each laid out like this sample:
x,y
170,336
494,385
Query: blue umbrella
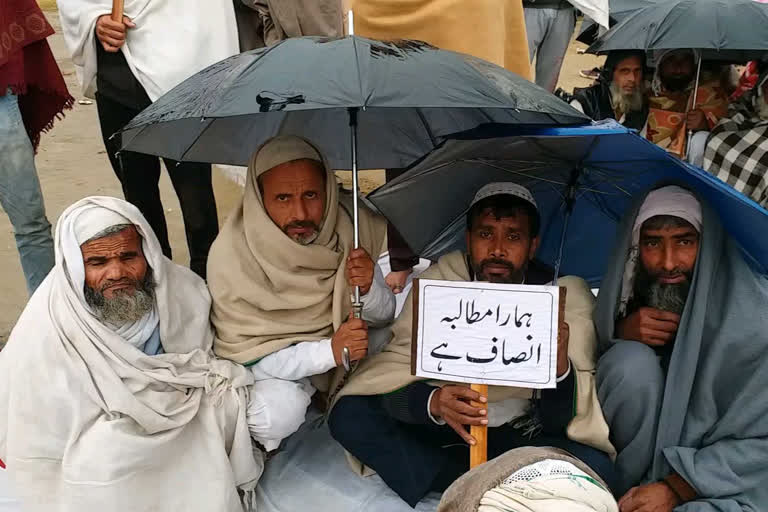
x,y
583,178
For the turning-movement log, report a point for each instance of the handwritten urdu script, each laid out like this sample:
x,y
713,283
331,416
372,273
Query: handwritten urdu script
x,y
486,333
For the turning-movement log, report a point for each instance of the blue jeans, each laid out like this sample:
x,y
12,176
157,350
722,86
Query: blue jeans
x,y
20,195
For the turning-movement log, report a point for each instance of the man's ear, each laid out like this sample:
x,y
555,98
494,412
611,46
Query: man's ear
x,y
534,247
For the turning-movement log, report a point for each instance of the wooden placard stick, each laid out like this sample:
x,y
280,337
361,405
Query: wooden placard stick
x,y
478,453
117,10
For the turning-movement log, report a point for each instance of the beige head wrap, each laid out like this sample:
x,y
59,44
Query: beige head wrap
x,y
270,292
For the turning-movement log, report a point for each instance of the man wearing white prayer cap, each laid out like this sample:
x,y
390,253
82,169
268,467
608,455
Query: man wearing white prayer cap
x,y
384,406
683,378
110,396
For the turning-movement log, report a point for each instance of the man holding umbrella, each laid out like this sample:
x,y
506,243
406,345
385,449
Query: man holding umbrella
x,y
281,273
683,378
680,102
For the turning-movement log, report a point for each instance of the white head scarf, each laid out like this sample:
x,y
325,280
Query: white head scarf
x,y
78,224
671,200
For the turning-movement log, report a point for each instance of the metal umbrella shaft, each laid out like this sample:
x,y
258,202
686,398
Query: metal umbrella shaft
x,y
357,304
693,107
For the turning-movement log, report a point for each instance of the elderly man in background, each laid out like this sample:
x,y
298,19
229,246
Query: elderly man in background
x,y
32,95
281,274
619,92
384,406
128,64
683,380
737,148
110,397
672,112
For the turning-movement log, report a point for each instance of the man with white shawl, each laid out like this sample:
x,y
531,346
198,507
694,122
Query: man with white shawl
x,y
128,64
110,396
683,379
281,274
412,432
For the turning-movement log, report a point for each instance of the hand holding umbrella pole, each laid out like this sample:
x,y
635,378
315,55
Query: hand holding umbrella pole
x,y
357,304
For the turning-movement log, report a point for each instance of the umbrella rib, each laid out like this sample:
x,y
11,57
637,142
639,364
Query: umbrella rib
x,y
535,177
181,159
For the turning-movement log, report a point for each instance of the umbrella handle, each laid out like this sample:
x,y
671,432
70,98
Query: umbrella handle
x,y
117,10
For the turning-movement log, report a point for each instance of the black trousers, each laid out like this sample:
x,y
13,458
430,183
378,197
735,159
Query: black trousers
x,y
139,175
416,459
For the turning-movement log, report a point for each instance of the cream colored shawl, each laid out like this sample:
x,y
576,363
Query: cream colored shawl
x,y
391,369
270,292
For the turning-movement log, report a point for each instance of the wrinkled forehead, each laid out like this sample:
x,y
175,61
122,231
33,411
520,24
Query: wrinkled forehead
x,y
667,223
115,239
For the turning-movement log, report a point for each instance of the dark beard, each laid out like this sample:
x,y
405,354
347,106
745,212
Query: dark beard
x,y
676,83
125,306
515,275
665,297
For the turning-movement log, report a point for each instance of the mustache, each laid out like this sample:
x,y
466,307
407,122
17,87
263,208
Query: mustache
x,y
123,281
301,224
497,261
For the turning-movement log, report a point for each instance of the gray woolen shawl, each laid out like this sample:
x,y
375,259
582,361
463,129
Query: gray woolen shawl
x,y
713,428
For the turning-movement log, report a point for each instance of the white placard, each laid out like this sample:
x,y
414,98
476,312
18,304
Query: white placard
x,y
486,333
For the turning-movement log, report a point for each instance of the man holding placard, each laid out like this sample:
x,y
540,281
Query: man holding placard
x,y
403,413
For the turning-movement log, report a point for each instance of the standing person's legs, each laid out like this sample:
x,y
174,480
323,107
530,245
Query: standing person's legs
x,y
549,59
139,174
535,29
409,458
194,188
20,195
630,386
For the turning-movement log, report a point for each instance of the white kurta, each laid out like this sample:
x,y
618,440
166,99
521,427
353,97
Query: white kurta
x,y
173,39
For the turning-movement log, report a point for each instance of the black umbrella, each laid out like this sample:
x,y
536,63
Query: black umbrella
x,y
393,100
617,11
734,30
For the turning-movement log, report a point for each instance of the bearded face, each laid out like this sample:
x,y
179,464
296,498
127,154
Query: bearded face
x,y
624,100
130,300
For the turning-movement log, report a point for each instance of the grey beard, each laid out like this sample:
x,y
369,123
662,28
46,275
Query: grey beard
x,y
762,108
306,240
667,297
123,307
626,102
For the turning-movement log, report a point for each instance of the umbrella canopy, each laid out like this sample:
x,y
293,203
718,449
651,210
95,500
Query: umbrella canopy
x,y
617,11
585,177
406,96
734,30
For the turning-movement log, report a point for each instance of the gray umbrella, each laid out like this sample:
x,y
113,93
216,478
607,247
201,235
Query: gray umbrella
x,y
734,30
400,99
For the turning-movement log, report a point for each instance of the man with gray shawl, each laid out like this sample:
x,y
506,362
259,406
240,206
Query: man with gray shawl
x,y
683,379
110,396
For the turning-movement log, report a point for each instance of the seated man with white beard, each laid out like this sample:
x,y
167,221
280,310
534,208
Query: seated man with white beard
x,y
683,379
619,92
110,396
737,148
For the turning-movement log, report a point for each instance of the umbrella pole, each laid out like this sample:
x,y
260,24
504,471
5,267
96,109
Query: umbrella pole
x,y
693,107
570,198
357,305
117,10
